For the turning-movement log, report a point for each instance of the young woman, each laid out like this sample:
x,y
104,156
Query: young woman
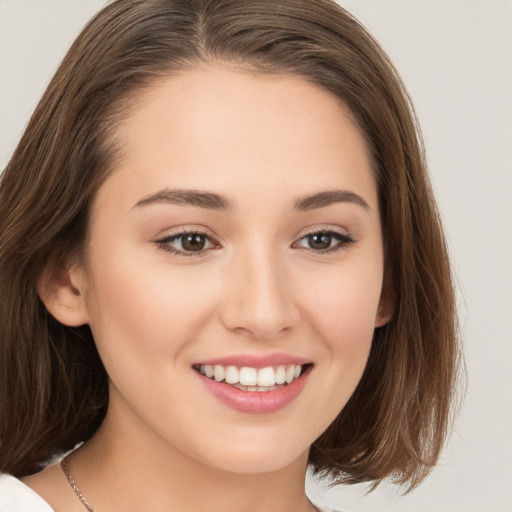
x,y
220,261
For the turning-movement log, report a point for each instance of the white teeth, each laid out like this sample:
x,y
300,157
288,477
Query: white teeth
x,y
232,375
252,379
248,376
219,372
266,376
280,375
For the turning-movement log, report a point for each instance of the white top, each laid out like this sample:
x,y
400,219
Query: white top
x,y
15,496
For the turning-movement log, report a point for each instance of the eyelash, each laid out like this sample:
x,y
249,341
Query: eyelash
x,y
345,240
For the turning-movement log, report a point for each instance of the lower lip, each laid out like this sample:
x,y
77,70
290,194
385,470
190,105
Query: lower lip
x,y
255,402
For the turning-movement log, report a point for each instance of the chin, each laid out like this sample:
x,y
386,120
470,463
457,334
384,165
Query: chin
x,y
258,458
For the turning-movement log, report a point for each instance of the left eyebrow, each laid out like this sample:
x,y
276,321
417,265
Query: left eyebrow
x,y
328,197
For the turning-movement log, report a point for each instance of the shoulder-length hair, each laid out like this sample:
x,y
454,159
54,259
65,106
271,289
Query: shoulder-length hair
x,y
53,386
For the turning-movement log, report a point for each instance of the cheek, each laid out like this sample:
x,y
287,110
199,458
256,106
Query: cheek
x,y
346,303
341,311
147,310
339,314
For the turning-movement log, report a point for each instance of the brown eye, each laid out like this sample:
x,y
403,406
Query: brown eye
x,y
193,242
319,241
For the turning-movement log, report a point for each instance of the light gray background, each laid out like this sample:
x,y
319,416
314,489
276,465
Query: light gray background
x,y
456,59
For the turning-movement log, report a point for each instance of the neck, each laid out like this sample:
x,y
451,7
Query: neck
x,y
130,472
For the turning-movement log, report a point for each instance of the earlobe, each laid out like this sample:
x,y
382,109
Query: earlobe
x,y
382,318
386,305
62,293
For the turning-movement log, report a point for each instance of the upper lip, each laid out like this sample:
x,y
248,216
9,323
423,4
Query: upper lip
x,y
256,360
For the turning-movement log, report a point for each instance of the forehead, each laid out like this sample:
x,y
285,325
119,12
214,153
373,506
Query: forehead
x,y
219,127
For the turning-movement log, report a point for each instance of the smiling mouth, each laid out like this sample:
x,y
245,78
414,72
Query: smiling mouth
x,y
247,378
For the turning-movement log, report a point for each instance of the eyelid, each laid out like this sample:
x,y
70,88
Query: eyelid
x,y
312,230
170,232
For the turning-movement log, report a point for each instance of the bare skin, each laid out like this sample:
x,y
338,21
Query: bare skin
x,y
257,493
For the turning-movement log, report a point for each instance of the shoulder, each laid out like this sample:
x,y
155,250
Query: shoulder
x,y
15,496
327,509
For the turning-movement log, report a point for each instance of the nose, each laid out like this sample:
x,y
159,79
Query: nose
x,y
258,299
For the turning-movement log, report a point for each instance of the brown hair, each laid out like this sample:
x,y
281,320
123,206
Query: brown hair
x,y
53,387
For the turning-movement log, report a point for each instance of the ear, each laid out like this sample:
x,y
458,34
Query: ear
x,y
62,292
386,304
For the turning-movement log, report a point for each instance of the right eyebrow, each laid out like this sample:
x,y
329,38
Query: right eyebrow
x,y
185,197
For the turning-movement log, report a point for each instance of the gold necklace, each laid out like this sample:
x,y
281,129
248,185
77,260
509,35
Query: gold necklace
x,y
64,465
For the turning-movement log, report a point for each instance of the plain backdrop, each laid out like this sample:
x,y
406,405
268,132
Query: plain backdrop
x,y
455,57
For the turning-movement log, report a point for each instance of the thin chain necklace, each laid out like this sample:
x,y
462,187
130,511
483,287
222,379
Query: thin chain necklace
x,y
64,465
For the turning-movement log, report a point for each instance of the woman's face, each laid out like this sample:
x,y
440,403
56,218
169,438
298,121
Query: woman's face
x,y
239,236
